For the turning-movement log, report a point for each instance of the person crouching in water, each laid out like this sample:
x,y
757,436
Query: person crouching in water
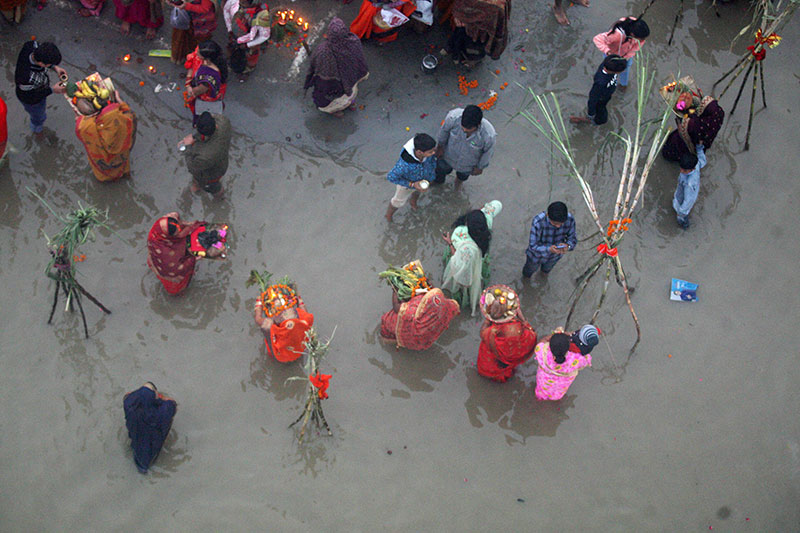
x,y
284,327
507,338
148,416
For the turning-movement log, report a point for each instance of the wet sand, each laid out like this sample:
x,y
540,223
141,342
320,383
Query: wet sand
x,y
648,442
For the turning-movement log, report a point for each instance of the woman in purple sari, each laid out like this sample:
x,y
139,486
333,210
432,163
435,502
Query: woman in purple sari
x,y
700,122
206,80
337,67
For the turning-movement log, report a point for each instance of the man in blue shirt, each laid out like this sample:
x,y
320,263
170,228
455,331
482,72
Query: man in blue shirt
x,y
688,184
412,173
552,235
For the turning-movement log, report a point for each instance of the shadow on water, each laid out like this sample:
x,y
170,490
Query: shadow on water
x,y
513,407
270,375
415,370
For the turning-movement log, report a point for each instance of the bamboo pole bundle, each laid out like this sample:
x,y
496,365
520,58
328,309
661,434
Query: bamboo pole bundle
x,y
315,352
629,191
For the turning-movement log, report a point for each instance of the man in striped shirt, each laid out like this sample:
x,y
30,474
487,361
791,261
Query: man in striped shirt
x,y
32,81
552,236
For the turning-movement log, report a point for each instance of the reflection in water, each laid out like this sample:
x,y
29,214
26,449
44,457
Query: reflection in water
x,y
270,375
413,369
513,407
316,453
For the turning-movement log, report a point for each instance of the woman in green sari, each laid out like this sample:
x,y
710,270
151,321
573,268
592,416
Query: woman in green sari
x,y
467,256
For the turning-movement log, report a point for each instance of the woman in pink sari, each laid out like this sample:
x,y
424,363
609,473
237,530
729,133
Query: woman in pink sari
x,y
559,364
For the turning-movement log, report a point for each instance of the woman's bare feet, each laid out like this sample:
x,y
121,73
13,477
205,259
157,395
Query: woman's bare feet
x,y
125,28
561,15
579,120
584,3
84,12
150,33
338,114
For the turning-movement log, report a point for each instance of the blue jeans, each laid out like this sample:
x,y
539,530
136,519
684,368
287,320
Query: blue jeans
x,y
38,113
532,265
686,194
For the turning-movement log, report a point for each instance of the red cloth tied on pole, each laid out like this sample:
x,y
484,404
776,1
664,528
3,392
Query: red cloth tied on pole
x,y
321,382
603,249
759,55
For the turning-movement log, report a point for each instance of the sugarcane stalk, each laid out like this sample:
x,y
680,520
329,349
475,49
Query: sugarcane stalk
x,y
602,294
92,299
744,82
83,316
738,73
741,60
763,90
675,24
580,290
752,105
625,289
55,302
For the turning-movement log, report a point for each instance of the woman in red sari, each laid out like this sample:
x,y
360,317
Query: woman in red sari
x,y
365,26
168,255
206,80
286,330
417,321
507,339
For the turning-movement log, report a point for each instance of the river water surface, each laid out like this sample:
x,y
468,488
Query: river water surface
x,y
697,429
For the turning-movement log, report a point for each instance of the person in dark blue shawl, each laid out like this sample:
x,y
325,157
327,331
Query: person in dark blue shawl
x,y
148,415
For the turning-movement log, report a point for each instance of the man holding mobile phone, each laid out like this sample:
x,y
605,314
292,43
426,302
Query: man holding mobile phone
x,y
552,235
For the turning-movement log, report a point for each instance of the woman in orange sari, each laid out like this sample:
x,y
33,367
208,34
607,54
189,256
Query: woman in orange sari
x,y
365,26
507,339
286,331
108,136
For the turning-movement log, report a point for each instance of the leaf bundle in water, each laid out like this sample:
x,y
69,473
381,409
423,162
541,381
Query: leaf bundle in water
x,y
315,351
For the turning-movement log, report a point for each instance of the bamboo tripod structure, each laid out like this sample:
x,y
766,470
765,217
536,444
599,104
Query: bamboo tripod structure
x,y
751,65
312,410
629,192
65,280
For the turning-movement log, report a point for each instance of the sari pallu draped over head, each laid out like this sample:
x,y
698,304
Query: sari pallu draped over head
x,y
108,138
168,256
514,343
337,64
485,21
702,126
203,75
420,320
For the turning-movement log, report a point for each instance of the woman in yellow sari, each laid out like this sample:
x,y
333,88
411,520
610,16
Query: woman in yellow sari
x,y
108,136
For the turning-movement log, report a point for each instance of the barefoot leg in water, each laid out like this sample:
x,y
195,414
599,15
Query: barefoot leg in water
x,y
125,28
561,15
584,3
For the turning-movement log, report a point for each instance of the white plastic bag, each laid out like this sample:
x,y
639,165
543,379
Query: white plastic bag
x,y
424,12
393,17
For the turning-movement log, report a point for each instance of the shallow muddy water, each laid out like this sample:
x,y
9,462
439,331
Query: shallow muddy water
x,y
697,428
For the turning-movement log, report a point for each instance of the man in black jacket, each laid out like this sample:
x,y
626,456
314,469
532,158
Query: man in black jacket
x,y
33,82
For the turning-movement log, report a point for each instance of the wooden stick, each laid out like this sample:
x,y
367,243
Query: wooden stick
x,y
581,288
92,298
55,302
83,316
752,105
763,91
741,60
675,24
602,295
744,82
732,80
646,8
